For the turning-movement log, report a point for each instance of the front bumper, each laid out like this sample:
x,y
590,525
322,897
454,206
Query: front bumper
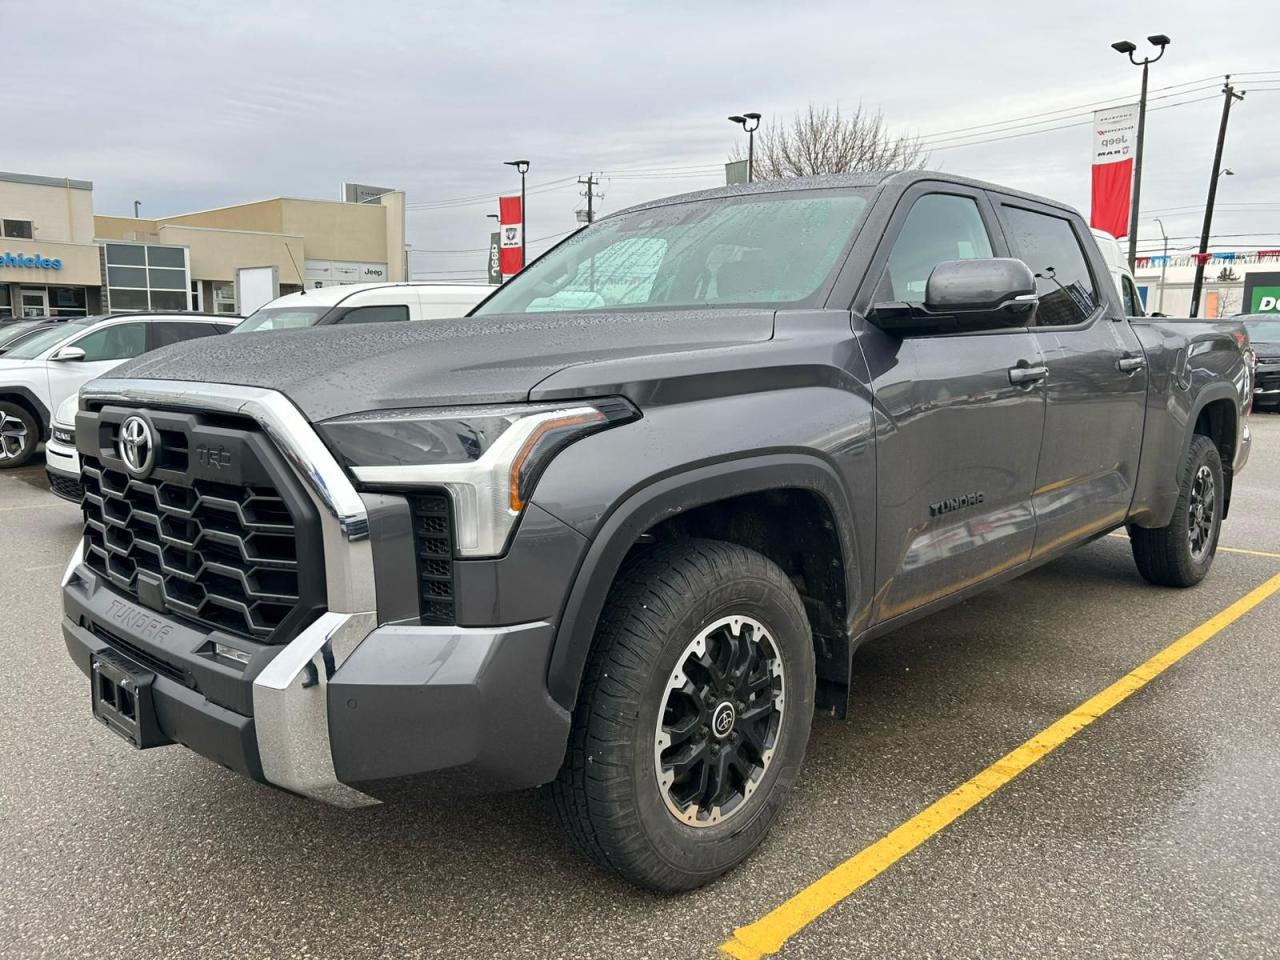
x,y
62,464
454,704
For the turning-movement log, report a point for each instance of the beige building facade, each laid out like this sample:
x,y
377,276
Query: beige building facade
x,y
58,258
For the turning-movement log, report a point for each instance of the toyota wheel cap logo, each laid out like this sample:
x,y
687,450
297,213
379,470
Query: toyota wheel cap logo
x,y
137,446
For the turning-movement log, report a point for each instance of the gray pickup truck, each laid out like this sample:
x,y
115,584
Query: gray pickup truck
x,y
621,529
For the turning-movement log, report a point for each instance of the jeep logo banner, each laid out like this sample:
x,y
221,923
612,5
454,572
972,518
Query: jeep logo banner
x,y
1115,136
511,217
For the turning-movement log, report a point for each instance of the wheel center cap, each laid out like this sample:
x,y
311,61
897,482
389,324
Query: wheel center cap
x,y
722,719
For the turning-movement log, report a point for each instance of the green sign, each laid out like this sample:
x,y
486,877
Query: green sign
x,y
1264,300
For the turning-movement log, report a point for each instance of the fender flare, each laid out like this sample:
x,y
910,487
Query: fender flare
x,y
1210,394
44,419
663,497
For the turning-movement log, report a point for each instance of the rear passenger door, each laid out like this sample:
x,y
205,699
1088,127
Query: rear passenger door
x,y
1096,385
956,440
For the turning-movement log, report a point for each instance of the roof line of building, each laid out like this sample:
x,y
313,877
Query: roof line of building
x,y
250,203
39,181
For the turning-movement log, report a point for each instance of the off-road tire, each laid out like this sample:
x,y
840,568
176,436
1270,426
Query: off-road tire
x,y
607,795
11,413
1164,555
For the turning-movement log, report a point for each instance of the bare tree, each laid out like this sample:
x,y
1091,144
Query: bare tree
x,y
824,140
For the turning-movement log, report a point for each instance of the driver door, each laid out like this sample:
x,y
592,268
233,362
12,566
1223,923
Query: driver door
x,y
104,347
957,442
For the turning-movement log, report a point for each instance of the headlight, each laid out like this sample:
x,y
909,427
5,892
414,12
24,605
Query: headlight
x,y
488,458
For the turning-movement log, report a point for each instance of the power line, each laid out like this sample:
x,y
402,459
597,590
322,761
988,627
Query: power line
x,y
1064,126
1069,110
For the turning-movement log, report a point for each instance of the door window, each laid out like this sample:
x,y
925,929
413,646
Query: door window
x,y
119,342
377,313
165,332
1132,301
1050,247
939,227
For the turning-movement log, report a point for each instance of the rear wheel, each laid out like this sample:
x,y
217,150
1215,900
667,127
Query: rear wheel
x,y
694,715
19,435
1180,554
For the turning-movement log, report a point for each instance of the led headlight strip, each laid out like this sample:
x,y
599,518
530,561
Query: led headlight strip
x,y
497,455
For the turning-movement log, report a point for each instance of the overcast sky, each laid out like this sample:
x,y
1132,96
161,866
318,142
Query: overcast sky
x,y
189,105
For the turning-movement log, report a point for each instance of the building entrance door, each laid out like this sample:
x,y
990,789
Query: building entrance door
x,y
34,301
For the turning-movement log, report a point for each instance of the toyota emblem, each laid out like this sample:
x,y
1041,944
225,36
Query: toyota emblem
x,y
137,446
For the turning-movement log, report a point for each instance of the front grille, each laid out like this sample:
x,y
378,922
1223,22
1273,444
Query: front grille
x,y
65,487
433,545
220,551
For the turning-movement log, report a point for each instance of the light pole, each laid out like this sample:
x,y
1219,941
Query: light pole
x,y
137,205
1164,266
1124,46
522,167
749,122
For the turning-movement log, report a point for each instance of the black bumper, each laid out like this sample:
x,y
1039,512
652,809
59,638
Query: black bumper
x,y
460,707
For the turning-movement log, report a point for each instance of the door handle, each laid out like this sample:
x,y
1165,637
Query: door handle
x,y
1025,376
1130,364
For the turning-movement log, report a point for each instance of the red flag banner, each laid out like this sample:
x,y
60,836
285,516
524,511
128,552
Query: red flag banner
x,y
511,234
1115,133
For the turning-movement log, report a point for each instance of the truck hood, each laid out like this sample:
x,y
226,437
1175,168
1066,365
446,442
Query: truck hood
x,y
335,370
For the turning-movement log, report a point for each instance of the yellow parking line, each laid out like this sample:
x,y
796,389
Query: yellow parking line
x,y
768,934
1242,550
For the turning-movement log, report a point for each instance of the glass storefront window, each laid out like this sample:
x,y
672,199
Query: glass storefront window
x,y
143,276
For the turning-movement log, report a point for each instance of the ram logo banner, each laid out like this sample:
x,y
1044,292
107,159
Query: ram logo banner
x,y
1115,137
511,219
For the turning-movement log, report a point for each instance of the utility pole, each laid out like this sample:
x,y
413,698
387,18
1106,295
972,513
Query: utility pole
x,y
1228,95
590,183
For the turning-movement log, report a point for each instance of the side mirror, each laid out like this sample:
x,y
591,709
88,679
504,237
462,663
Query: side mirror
x,y
68,355
965,296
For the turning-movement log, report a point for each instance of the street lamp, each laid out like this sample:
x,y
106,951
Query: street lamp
x,y
1164,266
749,122
1125,47
522,167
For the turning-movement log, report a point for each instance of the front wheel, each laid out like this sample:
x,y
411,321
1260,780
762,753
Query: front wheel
x,y
19,435
693,718
1180,554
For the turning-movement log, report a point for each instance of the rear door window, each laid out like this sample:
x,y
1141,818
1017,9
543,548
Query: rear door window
x,y
1049,246
165,332
376,313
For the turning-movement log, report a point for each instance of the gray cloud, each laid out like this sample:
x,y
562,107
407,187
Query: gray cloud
x,y
186,105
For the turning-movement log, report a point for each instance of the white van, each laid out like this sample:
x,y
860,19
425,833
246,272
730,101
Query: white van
x,y
366,303
1120,275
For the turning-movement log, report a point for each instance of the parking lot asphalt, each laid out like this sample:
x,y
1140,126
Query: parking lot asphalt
x,y
1154,832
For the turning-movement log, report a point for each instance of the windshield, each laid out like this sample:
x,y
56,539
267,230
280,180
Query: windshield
x,y
1263,329
38,342
774,249
282,318
14,331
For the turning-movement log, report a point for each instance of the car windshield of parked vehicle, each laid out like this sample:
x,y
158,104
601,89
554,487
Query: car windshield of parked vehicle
x,y
772,248
11,332
38,341
281,318
1263,329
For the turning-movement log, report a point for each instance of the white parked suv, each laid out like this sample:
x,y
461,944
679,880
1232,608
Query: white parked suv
x,y
367,303
47,367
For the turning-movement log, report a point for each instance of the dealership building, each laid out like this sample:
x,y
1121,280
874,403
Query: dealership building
x,y
58,258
